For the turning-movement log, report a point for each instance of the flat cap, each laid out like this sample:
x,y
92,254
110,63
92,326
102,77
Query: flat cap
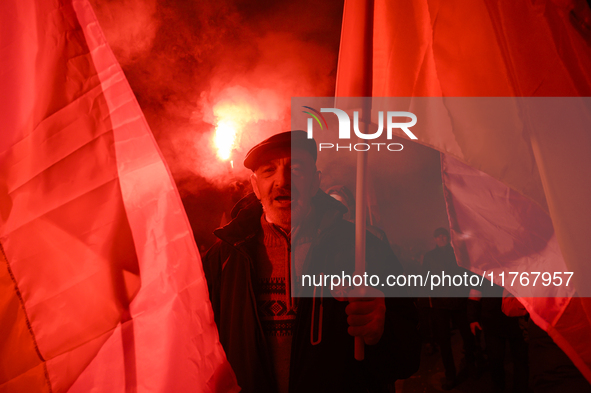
x,y
297,139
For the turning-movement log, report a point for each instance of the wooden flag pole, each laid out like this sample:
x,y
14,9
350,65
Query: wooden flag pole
x,y
354,79
360,232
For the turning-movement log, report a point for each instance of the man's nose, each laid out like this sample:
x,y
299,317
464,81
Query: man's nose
x,y
283,177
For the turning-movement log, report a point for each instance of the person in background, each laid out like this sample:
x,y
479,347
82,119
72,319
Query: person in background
x,y
485,313
423,302
449,305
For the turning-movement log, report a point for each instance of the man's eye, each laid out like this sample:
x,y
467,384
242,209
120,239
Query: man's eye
x,y
268,169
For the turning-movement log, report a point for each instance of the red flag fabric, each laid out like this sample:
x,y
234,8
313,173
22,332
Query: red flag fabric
x,y
464,48
102,284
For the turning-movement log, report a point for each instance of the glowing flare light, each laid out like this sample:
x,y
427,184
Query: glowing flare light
x,y
225,138
232,118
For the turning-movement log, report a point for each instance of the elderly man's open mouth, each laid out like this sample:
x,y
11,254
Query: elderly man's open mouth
x,y
283,200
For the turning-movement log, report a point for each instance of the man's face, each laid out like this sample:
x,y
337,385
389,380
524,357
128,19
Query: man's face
x,y
285,183
442,240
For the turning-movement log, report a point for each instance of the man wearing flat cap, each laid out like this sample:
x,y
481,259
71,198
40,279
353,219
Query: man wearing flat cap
x,y
287,228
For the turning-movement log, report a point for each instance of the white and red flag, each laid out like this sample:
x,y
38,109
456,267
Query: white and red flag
x,y
516,199
102,288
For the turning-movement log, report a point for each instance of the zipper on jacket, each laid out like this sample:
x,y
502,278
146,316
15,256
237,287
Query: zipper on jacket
x,y
239,246
320,313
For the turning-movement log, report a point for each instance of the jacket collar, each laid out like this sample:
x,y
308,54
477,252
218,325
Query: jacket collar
x,y
246,216
245,223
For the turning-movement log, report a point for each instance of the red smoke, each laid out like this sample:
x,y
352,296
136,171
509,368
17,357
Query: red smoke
x,y
194,64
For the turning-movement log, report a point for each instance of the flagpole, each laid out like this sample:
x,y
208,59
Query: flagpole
x,y
360,225
354,79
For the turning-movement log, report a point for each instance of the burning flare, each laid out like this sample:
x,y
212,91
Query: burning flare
x,y
225,138
232,118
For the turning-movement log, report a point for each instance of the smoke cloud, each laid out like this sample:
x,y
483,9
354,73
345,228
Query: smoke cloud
x,y
234,65
129,37
194,64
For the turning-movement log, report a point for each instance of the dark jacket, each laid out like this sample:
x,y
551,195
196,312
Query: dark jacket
x,y
442,261
488,311
330,365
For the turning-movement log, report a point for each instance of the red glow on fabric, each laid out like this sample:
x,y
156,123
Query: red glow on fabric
x,y
101,276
